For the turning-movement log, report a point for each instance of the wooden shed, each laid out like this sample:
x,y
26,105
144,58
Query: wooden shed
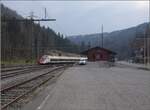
x,y
99,54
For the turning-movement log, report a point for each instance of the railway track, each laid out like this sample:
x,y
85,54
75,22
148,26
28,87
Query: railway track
x,y
15,68
13,93
5,68
6,73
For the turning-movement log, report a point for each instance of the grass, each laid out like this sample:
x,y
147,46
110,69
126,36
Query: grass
x,y
17,62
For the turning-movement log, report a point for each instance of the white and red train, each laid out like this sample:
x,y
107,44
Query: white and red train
x,y
47,59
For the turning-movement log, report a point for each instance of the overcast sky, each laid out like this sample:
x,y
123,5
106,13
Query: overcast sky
x,y
85,17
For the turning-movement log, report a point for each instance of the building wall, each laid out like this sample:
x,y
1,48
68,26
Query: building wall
x,y
98,55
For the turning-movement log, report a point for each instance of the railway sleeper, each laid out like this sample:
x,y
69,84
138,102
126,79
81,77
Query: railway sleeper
x,y
15,92
36,83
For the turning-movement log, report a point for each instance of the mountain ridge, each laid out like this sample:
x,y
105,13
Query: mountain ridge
x,y
117,41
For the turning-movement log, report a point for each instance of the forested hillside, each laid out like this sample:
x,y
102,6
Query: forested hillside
x,y
28,40
119,41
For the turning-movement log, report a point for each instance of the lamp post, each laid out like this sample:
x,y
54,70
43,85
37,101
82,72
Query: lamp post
x,y
148,40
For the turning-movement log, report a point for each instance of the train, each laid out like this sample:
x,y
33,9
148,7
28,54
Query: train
x,y
48,59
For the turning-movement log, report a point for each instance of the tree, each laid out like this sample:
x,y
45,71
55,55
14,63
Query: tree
x,y
82,46
89,45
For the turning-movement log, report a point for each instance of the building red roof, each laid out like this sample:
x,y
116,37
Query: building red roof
x,y
109,51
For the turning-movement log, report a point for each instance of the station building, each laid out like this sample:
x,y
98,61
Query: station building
x,y
99,54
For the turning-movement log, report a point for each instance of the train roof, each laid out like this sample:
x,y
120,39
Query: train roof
x,y
64,57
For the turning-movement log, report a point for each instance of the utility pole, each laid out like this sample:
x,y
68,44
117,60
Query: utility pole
x,y
33,40
144,48
148,41
147,46
45,13
102,35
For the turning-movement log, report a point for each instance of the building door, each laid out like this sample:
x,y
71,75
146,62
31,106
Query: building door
x,y
101,56
98,56
93,57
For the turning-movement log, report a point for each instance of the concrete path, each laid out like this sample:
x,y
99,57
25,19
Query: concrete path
x,y
135,65
96,87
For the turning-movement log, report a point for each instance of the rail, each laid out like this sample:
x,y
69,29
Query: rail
x,y
22,70
15,92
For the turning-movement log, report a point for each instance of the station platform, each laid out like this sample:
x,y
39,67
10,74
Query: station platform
x,y
96,87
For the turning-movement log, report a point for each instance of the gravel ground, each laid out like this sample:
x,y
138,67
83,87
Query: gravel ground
x,y
22,77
